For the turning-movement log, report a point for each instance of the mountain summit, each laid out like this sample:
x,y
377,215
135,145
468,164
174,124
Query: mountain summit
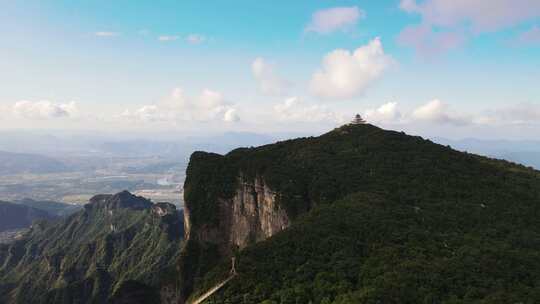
x,y
122,200
361,215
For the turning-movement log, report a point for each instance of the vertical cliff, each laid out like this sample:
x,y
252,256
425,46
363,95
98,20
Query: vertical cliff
x,y
252,214
227,207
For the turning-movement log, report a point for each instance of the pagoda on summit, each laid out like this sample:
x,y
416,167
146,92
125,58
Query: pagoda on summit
x,y
358,120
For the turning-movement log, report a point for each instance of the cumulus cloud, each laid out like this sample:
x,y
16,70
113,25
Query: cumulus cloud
x,y
345,74
295,110
334,19
436,111
269,82
166,38
107,34
43,109
195,38
231,115
387,112
208,105
460,18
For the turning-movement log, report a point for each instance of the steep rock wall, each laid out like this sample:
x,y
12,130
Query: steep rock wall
x,y
251,215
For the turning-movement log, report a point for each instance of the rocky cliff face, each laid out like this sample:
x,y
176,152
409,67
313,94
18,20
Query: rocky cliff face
x,y
251,215
226,209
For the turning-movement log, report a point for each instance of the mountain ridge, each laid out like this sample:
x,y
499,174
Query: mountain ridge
x,y
311,174
91,255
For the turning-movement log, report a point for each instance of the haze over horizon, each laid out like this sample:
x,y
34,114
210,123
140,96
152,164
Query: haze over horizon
x,y
436,68
271,152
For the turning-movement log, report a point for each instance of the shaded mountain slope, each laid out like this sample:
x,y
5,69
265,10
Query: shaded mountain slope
x,y
86,257
55,208
14,216
375,216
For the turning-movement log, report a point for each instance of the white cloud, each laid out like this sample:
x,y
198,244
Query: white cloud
x,y
43,109
436,111
148,113
409,6
333,19
269,82
295,110
429,43
107,34
231,115
457,19
209,105
166,38
387,112
480,15
530,36
195,39
345,74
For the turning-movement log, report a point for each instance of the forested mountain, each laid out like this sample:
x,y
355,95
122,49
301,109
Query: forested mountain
x,y
117,246
361,215
356,215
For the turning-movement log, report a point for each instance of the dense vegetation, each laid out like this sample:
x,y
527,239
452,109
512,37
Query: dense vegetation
x,y
116,242
393,219
365,158
365,249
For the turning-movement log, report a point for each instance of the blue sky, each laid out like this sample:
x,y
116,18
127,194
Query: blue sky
x,y
431,66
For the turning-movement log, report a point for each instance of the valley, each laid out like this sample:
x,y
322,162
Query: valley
x,y
356,215
152,177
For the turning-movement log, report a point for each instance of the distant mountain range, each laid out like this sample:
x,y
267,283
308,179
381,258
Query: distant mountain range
x,y
53,208
17,216
16,163
526,152
42,152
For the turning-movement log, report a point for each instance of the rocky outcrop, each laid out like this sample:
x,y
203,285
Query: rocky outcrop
x,y
225,211
251,215
254,213
120,200
163,209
